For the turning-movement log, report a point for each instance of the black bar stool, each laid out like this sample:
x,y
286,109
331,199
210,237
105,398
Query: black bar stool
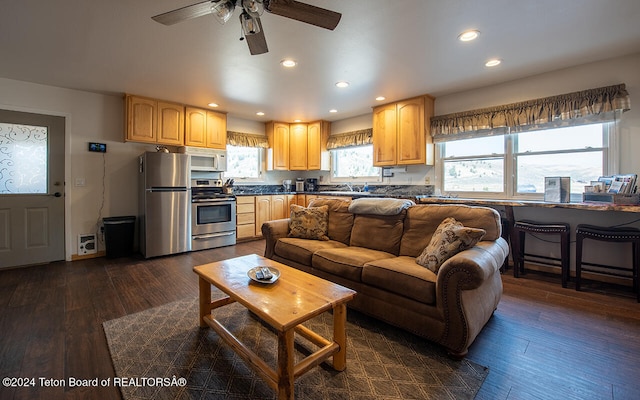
x,y
524,226
620,235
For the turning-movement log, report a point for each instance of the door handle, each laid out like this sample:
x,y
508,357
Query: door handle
x,y
57,194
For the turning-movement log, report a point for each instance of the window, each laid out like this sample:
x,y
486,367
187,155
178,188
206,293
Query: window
x,y
244,163
354,164
23,159
485,164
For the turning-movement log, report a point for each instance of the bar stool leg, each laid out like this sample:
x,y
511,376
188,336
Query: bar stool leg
x,y
636,268
565,252
518,263
578,260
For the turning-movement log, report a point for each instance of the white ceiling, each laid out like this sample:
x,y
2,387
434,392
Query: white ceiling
x,y
397,49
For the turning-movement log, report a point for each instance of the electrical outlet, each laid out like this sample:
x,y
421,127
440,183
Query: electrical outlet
x,y
427,180
79,182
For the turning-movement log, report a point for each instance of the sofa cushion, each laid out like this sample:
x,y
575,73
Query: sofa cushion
x,y
301,250
378,232
449,239
309,223
340,219
346,262
401,275
422,221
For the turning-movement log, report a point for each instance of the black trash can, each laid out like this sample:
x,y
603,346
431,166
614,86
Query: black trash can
x,y
118,235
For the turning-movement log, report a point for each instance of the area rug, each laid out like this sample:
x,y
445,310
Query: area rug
x,y
162,353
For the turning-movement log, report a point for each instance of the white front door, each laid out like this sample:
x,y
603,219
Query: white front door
x,y
31,188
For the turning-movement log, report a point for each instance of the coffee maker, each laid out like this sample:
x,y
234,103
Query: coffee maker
x,y
311,185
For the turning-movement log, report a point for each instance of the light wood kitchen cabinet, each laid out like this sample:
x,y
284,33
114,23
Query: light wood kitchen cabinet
x,y
298,147
301,200
298,142
154,121
401,132
263,212
278,136
279,205
317,153
291,199
245,217
205,128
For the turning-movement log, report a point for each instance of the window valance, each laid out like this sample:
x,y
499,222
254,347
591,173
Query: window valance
x,y
593,104
348,139
246,140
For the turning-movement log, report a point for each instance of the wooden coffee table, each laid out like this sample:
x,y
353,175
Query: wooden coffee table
x,y
285,304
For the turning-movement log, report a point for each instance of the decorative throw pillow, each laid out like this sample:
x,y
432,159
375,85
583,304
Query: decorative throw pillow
x,y
450,238
309,223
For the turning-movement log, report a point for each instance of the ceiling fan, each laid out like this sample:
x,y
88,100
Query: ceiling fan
x,y
250,16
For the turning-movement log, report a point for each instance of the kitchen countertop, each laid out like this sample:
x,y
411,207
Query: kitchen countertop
x,y
428,199
592,206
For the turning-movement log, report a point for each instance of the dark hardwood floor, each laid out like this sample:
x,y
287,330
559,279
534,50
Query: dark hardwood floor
x,y
544,342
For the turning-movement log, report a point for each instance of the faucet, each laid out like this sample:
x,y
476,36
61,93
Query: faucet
x,y
348,184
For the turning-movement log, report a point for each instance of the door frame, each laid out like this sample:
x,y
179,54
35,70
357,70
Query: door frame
x,y
68,243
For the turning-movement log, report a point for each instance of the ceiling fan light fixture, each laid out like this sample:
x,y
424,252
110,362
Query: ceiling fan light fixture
x,y
254,7
249,24
223,10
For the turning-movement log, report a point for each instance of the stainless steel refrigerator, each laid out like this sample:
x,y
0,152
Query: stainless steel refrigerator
x,y
164,204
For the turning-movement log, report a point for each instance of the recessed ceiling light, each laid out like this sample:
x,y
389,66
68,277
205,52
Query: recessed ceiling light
x,y
213,104
333,110
380,98
469,35
493,62
342,84
260,113
296,120
288,63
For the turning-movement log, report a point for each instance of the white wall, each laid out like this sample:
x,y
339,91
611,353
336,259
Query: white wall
x,y
90,117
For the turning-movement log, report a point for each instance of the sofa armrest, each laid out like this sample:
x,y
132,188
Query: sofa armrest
x,y
272,231
468,290
470,268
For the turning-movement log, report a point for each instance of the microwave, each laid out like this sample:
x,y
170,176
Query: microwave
x,y
203,159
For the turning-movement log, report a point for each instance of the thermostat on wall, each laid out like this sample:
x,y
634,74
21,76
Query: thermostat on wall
x,y
98,147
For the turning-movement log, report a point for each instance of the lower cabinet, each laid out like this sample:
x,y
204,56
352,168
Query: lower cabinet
x,y
253,211
245,217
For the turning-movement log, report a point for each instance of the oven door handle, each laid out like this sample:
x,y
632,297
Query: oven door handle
x,y
221,200
214,235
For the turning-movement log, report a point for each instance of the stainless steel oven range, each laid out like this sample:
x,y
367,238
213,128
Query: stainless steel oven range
x,y
213,215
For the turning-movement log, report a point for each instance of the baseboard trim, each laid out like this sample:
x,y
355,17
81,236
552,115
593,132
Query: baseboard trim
x,y
76,257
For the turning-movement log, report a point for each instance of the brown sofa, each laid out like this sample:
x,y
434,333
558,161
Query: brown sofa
x,y
376,256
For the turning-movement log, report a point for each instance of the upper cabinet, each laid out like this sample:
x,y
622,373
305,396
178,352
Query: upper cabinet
x,y
317,153
278,136
401,132
162,122
297,147
205,128
154,121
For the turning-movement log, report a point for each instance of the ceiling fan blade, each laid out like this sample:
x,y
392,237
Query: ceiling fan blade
x,y
304,13
184,13
257,42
